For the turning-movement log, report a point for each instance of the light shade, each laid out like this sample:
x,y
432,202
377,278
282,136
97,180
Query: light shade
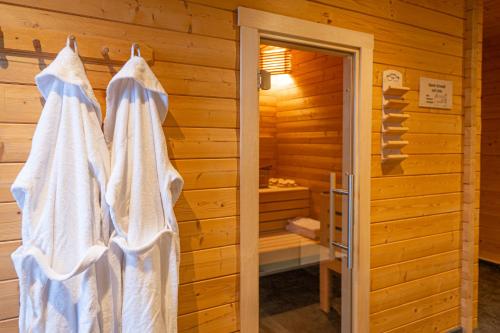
x,y
275,60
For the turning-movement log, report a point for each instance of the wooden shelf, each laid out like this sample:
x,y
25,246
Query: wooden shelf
x,y
396,91
396,104
393,103
394,157
395,130
391,116
395,144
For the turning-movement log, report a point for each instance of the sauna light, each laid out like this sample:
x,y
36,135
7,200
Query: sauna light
x,y
275,60
281,81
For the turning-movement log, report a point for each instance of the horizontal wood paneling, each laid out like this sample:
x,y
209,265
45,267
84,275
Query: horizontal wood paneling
x,y
198,71
195,46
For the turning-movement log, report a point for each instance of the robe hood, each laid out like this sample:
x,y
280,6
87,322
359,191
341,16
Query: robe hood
x,y
67,67
137,70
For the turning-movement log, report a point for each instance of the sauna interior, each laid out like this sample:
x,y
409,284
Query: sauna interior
x,y
301,126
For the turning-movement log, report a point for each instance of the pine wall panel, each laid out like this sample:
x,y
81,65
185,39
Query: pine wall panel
x,y
195,46
301,123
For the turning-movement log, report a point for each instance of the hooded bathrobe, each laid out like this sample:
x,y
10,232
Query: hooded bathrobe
x,y
141,192
62,263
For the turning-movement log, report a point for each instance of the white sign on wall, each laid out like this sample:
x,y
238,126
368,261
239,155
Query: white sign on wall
x,y
435,93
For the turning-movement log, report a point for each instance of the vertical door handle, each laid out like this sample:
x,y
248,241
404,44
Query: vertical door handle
x,y
350,205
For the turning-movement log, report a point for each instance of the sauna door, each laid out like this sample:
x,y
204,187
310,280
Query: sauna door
x,y
306,192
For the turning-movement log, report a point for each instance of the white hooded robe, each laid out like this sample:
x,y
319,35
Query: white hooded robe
x,y
141,192
62,264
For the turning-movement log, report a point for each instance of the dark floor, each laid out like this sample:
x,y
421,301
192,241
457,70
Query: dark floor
x,y
489,298
289,303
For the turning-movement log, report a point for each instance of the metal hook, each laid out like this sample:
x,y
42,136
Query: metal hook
x,y
135,47
71,42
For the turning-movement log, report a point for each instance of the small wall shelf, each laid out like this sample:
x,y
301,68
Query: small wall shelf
x,y
393,103
395,91
395,157
395,129
395,116
395,144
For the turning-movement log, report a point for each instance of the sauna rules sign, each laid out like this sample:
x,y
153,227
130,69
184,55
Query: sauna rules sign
x,y
435,93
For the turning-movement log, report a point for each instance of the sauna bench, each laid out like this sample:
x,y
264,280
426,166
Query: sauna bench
x,y
280,249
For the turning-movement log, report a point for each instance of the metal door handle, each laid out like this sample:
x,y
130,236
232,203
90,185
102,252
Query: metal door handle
x,y
350,200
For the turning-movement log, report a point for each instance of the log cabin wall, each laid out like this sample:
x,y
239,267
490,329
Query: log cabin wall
x,y
309,123
489,233
416,206
268,156
301,123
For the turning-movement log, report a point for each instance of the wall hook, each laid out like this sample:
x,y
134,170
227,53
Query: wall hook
x,y
135,47
71,42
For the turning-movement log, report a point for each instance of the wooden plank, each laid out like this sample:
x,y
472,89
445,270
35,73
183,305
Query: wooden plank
x,y
419,164
9,299
7,271
401,208
206,234
47,43
10,221
404,12
192,296
414,248
23,103
172,15
206,204
407,313
425,144
8,173
387,276
208,173
399,230
209,263
182,143
9,325
428,123
440,322
283,214
280,194
281,205
167,45
404,293
397,187
383,29
207,294
176,78
223,319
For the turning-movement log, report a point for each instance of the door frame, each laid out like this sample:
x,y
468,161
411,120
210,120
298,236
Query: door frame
x,y
255,24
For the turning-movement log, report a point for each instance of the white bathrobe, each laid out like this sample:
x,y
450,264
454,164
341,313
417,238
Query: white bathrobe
x,y
62,263
141,192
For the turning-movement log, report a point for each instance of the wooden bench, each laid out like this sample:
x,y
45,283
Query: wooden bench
x,y
279,249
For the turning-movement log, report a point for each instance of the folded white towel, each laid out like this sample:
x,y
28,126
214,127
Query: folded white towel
x,y
304,226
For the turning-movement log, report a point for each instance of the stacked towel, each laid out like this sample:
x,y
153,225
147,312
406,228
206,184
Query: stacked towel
x,y
304,226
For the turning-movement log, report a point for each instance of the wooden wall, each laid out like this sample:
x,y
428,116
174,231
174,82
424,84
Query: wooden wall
x,y
489,233
301,123
195,59
309,123
268,156
416,207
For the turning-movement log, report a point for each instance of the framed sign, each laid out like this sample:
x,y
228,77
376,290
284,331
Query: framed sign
x,y
435,93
